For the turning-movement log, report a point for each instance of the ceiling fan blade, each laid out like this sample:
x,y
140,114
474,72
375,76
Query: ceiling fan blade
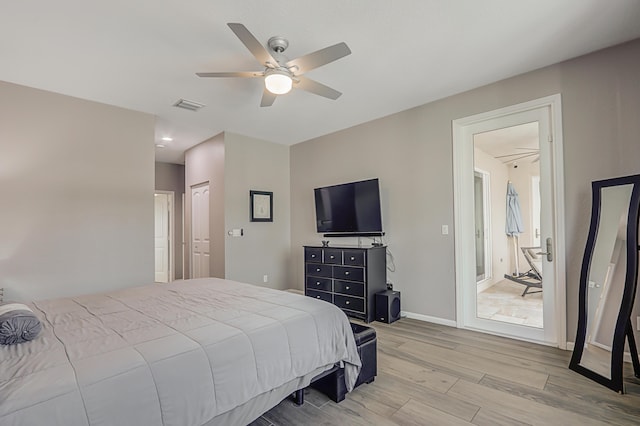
x,y
246,74
267,98
254,46
517,157
318,58
313,86
509,155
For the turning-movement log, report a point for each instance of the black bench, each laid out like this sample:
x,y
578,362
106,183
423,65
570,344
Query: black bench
x,y
331,382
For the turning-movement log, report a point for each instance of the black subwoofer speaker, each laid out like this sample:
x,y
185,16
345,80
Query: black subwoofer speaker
x,y
388,306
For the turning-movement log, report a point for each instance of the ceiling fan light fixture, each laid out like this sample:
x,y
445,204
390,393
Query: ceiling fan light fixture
x,y
278,81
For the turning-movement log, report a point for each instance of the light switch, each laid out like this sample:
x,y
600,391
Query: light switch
x,y
445,229
237,232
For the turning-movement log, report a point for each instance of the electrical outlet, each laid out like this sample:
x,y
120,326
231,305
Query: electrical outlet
x,y
445,229
265,278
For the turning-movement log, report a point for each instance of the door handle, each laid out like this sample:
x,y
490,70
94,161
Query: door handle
x,y
549,252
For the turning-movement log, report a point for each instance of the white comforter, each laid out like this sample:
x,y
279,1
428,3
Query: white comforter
x,y
176,354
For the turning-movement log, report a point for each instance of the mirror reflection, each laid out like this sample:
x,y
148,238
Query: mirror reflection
x,y
606,279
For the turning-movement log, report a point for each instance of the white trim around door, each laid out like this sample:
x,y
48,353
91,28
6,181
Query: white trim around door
x,y
547,112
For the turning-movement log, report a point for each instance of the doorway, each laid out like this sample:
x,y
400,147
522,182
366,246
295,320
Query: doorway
x,y
200,239
511,155
164,236
545,115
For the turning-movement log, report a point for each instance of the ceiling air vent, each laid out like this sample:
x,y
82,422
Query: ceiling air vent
x,y
190,105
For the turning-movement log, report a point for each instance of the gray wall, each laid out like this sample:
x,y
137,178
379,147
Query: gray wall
x,y
170,177
206,163
253,164
411,154
233,165
76,184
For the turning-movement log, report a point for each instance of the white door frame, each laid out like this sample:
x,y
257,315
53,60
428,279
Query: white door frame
x,y
535,207
184,238
172,256
463,168
488,241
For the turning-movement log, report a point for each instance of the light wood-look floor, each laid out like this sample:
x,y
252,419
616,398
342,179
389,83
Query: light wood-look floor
x,y
435,375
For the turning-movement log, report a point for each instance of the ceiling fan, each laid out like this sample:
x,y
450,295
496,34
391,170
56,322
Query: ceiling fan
x,y
280,73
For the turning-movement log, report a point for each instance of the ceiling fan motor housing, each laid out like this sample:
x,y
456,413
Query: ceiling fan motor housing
x,y
278,44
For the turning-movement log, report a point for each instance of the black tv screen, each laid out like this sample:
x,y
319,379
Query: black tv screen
x,y
352,208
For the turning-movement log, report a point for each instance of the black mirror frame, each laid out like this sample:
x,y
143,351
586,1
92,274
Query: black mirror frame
x,y
623,326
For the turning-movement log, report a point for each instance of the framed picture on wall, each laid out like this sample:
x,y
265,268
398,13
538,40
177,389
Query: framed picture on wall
x,y
261,203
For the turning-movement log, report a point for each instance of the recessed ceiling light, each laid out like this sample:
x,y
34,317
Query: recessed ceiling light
x,y
159,145
167,139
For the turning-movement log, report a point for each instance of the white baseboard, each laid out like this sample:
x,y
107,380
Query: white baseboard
x,y
485,284
428,318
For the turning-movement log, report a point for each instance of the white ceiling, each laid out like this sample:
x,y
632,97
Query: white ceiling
x,y
143,55
510,144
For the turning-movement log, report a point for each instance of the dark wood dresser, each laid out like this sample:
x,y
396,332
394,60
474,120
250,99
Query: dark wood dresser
x,y
348,277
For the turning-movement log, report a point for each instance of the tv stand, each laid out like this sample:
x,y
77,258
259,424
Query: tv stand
x,y
349,277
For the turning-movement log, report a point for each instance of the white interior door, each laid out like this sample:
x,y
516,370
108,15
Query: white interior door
x,y
162,243
200,239
551,220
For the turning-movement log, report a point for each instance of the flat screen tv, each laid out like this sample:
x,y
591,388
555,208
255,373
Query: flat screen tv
x,y
349,209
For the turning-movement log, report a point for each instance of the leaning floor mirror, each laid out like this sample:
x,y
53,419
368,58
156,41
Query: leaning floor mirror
x,y
608,282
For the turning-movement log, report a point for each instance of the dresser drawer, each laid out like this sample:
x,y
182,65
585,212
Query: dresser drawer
x,y
350,273
354,257
313,255
350,303
319,270
320,295
316,283
349,288
333,256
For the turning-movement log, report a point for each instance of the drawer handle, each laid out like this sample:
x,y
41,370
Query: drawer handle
x,y
353,258
317,269
317,297
313,255
347,302
332,257
317,282
346,273
347,287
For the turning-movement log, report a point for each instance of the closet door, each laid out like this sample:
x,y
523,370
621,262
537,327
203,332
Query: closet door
x,y
200,239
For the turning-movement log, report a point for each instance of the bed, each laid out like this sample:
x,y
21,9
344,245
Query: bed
x,y
194,352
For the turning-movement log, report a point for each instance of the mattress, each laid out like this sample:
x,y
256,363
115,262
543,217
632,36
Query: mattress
x,y
194,352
